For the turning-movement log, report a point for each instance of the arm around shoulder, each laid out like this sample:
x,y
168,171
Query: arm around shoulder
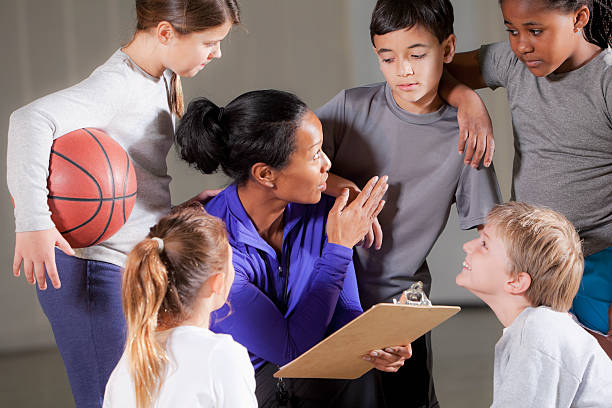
x,y
465,68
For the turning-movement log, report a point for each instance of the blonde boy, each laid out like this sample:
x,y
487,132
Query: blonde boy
x,y
526,265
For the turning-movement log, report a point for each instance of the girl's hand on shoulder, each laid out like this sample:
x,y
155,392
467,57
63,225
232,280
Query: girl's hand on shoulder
x,y
475,132
390,359
348,224
35,249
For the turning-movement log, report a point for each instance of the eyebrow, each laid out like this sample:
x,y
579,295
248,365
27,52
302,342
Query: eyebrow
x,y
527,24
382,50
315,145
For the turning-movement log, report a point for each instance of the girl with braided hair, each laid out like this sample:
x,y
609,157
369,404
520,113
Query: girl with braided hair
x,y
557,70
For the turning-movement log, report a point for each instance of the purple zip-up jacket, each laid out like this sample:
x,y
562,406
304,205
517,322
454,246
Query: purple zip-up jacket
x,y
282,307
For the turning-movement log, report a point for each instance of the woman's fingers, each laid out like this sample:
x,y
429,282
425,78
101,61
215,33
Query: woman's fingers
x,y
368,240
385,361
376,196
365,193
378,233
340,202
402,351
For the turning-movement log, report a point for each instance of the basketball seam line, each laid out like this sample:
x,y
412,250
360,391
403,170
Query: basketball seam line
x,y
93,179
110,217
90,199
127,172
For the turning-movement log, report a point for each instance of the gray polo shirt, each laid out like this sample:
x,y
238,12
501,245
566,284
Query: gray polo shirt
x,y
365,134
562,138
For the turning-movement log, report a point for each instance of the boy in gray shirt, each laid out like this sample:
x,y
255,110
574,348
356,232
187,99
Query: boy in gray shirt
x,y
403,128
527,265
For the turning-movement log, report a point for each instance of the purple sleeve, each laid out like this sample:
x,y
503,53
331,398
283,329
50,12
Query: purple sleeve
x,y
257,323
349,306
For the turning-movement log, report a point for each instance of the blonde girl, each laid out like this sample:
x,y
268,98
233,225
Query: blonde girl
x,y
173,280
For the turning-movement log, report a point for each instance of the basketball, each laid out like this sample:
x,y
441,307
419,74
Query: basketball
x,y
92,186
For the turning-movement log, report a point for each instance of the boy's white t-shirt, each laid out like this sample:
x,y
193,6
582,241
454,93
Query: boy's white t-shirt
x,y
545,359
205,369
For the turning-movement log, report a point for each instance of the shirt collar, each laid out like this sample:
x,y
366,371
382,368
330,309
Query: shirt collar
x,y
244,230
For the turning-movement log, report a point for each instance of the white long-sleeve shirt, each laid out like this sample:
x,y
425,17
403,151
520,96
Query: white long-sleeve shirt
x,y
205,369
128,104
546,360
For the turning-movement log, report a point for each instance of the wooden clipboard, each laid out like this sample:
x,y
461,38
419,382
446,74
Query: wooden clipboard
x,y
383,325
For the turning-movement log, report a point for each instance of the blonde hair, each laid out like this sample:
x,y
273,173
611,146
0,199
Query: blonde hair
x,y
161,282
186,16
544,244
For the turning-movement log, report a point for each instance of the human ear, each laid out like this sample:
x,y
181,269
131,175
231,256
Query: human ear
x,y
449,48
581,17
264,175
216,283
518,284
164,32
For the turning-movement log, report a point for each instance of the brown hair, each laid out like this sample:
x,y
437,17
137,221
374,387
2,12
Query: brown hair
x,y
161,283
186,16
544,244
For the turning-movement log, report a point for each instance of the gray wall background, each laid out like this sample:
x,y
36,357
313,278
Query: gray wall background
x,y
314,48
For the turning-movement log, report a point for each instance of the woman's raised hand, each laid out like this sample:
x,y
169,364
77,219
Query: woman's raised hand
x,y
348,224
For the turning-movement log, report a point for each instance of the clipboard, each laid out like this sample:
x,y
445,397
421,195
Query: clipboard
x,y
385,324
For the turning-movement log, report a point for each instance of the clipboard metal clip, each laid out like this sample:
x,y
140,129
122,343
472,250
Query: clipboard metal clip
x,y
413,296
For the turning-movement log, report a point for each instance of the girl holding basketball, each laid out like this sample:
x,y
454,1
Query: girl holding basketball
x,y
557,69
135,97
173,280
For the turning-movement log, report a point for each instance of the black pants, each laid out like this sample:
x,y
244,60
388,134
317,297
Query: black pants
x,y
411,386
365,391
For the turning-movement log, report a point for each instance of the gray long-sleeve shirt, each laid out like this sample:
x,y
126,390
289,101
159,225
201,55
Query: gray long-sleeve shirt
x,y
546,360
129,105
562,138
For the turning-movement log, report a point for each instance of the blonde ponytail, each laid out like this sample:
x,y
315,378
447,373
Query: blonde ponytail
x,y
162,280
145,282
177,104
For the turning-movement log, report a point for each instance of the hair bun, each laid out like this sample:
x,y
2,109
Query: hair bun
x,y
201,139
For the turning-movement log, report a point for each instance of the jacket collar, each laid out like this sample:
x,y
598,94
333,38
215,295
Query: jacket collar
x,y
244,230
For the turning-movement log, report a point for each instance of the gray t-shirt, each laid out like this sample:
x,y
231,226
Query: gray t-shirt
x,y
365,134
546,360
562,138
128,104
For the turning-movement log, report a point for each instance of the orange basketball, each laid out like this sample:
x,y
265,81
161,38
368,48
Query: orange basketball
x,y
92,186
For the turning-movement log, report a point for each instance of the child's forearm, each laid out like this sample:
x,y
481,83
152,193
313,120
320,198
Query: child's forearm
x,y
475,127
453,91
335,185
